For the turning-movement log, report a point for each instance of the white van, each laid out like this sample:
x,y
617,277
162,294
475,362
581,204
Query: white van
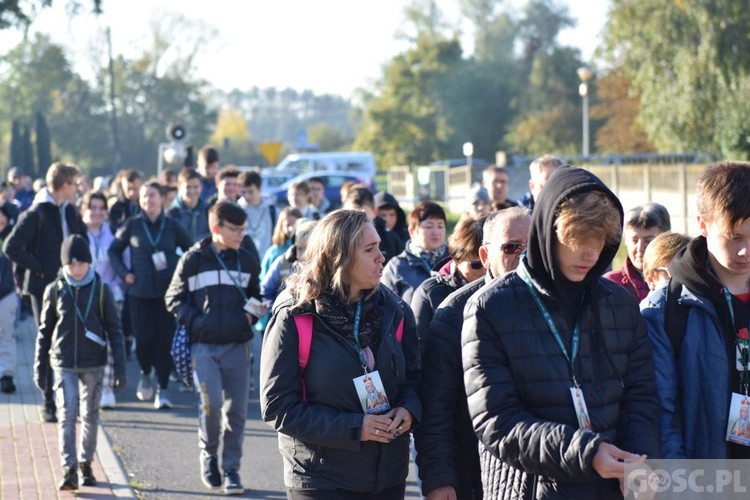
x,y
360,163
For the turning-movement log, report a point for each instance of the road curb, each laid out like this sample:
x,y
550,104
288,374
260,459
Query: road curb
x,y
113,468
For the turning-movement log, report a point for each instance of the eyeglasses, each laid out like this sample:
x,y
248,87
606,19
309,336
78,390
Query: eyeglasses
x,y
237,231
511,248
476,264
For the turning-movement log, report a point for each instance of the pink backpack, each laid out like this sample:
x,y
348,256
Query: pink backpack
x,y
304,323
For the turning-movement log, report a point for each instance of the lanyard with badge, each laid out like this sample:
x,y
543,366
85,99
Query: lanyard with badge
x,y
579,403
252,305
369,386
738,423
84,316
158,257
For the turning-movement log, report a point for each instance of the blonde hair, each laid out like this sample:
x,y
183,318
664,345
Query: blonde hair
x,y
279,237
661,251
331,250
588,216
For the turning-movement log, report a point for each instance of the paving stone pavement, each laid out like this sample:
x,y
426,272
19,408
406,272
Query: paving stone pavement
x,y
29,453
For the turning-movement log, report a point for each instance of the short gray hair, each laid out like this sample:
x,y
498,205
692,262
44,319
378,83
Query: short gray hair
x,y
546,161
649,215
501,218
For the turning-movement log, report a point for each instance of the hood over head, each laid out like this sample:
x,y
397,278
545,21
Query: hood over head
x,y
690,266
540,259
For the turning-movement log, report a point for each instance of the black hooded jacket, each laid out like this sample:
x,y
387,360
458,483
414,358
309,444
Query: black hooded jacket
x,y
518,382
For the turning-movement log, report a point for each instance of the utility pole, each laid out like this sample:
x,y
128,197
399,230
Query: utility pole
x,y
116,158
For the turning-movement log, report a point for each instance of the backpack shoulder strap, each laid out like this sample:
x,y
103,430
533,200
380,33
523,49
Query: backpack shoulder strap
x,y
675,316
101,298
304,323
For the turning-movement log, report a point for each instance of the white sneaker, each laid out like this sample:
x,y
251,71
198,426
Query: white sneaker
x,y
145,388
162,402
108,398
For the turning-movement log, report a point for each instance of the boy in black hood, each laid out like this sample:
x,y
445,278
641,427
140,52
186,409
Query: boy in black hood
x,y
701,352
558,368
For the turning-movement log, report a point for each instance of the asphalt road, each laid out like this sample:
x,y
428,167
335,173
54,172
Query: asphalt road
x,y
159,449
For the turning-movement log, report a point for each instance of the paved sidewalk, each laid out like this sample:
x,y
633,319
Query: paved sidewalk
x,y
29,454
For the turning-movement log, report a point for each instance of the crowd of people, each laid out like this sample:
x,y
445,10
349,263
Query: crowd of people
x,y
518,360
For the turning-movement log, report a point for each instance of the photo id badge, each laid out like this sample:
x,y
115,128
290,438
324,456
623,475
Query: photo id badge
x,y
371,393
255,307
160,260
579,404
738,423
95,338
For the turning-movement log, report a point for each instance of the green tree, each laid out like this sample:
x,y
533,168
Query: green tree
x,y
16,146
688,60
43,142
28,152
328,138
14,13
406,123
160,88
547,102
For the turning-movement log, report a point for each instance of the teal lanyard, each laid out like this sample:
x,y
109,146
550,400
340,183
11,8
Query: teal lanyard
x,y
742,344
551,324
82,317
151,240
355,334
237,281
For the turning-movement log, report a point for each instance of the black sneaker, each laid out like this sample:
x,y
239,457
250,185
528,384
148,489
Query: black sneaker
x,y
69,481
87,474
232,484
49,414
6,385
210,471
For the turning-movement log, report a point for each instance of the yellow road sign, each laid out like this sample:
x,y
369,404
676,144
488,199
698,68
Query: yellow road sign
x,y
270,151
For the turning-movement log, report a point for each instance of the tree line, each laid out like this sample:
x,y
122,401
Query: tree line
x,y
670,77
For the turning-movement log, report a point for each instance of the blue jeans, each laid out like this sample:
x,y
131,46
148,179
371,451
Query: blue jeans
x,y
221,376
70,387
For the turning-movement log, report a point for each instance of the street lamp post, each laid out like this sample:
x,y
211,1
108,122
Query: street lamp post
x,y
468,152
585,74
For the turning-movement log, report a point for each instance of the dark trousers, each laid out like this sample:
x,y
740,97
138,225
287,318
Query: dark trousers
x,y
49,394
396,493
153,328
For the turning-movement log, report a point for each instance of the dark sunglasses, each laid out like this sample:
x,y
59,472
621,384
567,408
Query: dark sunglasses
x,y
476,264
510,248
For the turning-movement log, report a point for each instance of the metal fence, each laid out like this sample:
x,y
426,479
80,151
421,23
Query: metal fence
x,y
671,184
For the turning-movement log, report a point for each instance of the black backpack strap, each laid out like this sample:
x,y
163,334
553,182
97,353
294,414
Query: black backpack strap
x,y
675,316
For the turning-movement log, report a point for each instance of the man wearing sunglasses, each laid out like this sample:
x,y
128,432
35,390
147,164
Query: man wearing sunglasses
x,y
462,267
448,456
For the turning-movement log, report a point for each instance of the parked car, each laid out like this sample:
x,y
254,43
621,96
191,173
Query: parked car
x,y
332,181
357,163
460,162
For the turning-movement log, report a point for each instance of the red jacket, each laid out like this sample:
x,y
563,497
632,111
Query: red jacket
x,y
630,278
